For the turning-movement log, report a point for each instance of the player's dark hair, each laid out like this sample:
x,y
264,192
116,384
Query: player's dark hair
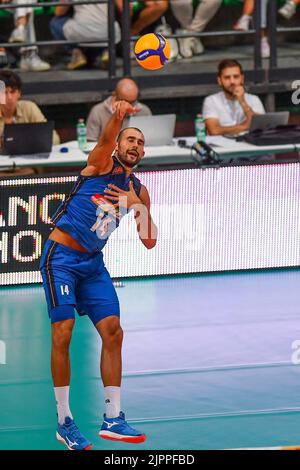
x,y
125,129
11,79
226,63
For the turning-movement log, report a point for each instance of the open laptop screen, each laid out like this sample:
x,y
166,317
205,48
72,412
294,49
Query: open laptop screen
x,y
267,120
158,129
28,139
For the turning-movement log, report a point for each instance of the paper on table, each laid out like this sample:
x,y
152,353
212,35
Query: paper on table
x,y
219,141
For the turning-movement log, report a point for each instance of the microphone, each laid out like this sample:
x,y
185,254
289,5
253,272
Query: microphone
x,y
206,153
198,146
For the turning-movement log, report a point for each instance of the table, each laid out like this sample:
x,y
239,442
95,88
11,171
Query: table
x,y
229,148
224,147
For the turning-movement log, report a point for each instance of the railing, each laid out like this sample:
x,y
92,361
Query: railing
x,y
110,41
126,39
272,71
256,32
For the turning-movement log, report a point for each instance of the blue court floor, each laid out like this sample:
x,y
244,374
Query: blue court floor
x,y
207,364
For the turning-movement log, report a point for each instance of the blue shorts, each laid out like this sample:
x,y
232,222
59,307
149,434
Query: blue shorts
x,y
74,279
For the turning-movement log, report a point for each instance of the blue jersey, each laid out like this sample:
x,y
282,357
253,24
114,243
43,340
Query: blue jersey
x,y
86,215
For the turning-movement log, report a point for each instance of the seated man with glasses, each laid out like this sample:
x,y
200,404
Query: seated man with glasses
x,y
126,89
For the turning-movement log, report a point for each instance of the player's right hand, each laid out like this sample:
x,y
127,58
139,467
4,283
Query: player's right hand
x,y
122,108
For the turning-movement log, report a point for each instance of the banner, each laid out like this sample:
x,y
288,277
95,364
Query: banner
x,y
217,219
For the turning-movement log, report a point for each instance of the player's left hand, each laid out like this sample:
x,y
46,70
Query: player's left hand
x,y
122,198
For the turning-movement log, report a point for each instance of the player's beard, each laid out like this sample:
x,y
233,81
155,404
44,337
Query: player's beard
x,y
127,161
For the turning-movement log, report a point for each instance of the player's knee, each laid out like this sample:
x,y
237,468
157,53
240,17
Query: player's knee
x,y
113,338
62,334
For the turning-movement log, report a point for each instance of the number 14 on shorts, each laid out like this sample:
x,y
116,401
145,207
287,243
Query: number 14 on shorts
x,y
64,289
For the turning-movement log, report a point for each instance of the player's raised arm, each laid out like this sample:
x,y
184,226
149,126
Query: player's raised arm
x,y
101,155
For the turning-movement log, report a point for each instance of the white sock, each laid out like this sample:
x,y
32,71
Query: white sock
x,y
62,403
112,397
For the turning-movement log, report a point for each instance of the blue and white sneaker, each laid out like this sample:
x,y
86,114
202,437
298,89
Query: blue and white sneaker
x,y
117,429
69,434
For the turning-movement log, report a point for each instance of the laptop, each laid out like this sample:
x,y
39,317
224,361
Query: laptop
x,y
32,140
266,121
158,129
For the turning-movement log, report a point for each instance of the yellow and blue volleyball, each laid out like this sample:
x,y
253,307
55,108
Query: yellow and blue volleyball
x,y
152,51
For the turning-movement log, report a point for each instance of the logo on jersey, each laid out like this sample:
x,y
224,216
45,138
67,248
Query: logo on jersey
x,y
108,216
117,170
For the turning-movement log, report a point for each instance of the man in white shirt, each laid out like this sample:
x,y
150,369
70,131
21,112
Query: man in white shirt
x,y
81,23
230,111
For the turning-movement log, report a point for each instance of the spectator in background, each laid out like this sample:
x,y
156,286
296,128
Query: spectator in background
x,y
193,22
3,54
230,111
15,110
152,11
24,32
100,114
3,57
84,23
243,23
288,9
144,14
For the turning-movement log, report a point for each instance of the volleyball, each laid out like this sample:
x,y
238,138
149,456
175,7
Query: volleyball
x,y
152,51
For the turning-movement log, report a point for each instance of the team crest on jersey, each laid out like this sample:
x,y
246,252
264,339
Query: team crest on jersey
x,y
105,204
117,170
107,214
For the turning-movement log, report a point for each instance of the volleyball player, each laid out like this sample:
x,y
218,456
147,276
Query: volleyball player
x,y
74,274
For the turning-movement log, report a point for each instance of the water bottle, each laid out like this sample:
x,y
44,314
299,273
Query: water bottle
x,y
81,134
200,130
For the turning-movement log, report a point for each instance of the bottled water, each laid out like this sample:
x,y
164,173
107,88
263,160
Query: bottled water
x,y
81,134
200,130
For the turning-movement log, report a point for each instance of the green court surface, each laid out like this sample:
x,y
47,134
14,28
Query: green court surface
x,y
207,364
